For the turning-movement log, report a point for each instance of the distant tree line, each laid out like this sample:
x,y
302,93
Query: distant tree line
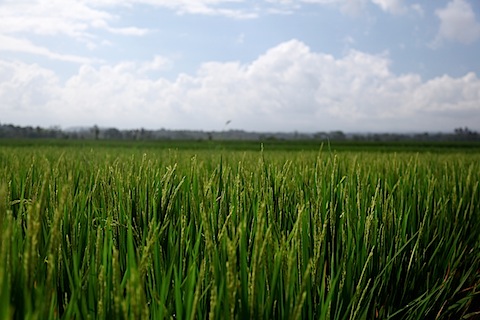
x,y
10,131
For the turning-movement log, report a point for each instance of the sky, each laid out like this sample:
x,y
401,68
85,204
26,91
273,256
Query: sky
x,y
263,65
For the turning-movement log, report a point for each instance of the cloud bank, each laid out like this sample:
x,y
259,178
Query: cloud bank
x,y
287,88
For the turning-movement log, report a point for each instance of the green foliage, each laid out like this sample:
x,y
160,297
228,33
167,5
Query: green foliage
x,y
119,232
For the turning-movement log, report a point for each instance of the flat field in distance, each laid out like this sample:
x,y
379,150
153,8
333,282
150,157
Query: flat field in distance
x,y
238,230
268,145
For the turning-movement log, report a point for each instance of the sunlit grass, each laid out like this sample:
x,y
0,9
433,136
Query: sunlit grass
x,y
119,233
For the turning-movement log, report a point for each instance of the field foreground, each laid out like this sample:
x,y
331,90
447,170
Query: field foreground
x,y
121,232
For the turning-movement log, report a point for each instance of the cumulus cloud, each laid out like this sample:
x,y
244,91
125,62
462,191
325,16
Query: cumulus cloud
x,y
25,91
289,87
458,23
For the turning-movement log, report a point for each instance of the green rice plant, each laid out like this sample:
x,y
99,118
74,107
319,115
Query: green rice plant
x,y
126,232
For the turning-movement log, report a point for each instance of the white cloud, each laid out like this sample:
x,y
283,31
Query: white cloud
x,y
158,63
289,87
71,18
75,19
25,91
353,7
22,45
458,23
347,6
391,6
22,21
202,7
80,20
127,31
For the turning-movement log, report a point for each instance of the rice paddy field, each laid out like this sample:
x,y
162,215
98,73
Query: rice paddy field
x,y
103,230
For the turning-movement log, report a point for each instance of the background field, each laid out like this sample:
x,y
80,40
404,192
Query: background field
x,y
239,230
255,145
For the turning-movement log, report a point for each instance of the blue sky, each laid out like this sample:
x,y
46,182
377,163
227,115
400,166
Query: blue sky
x,y
266,65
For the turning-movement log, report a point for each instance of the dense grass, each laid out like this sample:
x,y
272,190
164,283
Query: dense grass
x,y
268,145
118,232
